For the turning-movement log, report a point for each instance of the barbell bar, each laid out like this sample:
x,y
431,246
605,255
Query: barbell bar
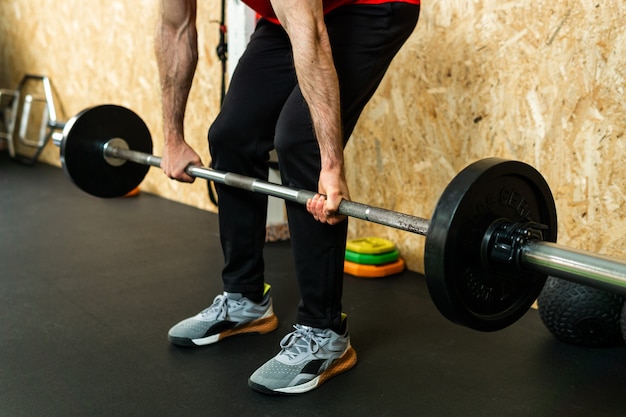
x,y
348,208
490,244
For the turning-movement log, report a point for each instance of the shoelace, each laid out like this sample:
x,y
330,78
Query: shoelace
x,y
304,340
219,308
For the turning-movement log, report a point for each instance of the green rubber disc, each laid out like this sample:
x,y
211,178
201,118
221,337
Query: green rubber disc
x,y
372,259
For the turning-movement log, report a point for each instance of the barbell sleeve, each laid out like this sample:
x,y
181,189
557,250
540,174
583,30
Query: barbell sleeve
x,y
575,265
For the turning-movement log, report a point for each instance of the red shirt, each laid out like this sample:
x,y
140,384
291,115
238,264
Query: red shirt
x,y
264,8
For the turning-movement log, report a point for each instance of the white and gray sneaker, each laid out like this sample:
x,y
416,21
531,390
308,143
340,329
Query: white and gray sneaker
x,y
309,357
229,315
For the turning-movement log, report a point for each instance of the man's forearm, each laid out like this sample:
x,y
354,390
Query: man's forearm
x,y
176,46
319,85
317,76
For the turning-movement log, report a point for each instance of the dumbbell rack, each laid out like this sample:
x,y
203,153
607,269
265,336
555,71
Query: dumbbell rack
x,y
30,119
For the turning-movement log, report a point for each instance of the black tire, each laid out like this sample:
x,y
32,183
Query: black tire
x,y
581,315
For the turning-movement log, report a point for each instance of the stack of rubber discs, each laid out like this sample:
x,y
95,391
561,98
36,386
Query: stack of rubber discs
x,y
372,257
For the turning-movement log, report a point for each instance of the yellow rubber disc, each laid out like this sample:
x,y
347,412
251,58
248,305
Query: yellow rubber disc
x,y
370,245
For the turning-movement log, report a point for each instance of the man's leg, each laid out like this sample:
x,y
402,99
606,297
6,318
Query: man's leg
x,y
364,40
240,140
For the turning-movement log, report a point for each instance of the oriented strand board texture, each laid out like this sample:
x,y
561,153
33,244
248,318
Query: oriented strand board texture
x,y
542,82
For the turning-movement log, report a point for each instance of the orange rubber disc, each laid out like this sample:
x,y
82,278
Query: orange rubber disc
x,y
373,271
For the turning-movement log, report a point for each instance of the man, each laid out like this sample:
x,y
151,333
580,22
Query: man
x,y
310,68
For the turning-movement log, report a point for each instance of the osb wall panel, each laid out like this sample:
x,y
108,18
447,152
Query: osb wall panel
x,y
101,51
542,82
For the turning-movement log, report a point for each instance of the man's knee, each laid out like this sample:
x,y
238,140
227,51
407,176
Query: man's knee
x,y
219,133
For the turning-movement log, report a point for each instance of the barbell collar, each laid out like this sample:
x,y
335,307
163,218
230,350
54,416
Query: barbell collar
x,y
520,246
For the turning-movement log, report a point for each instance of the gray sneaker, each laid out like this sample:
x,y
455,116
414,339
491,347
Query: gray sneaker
x,y
230,314
309,357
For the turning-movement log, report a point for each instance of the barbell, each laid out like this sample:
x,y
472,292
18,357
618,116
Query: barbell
x,y
490,244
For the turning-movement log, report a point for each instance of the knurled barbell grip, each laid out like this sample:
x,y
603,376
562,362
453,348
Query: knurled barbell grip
x,y
348,208
385,217
361,211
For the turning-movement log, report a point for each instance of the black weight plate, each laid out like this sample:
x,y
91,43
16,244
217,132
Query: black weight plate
x,y
465,290
82,150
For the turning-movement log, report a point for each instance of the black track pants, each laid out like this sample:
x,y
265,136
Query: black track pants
x,y
264,109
